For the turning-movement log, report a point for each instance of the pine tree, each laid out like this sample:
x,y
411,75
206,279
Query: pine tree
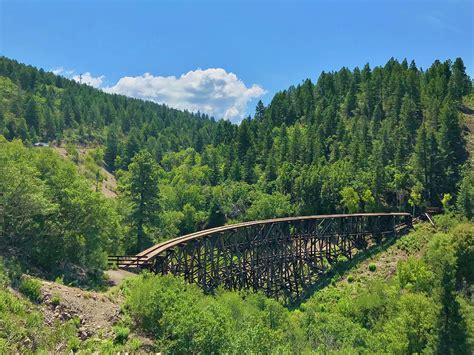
x,y
295,144
244,140
34,116
133,145
377,117
283,142
459,83
248,168
271,169
465,200
350,101
111,149
409,117
259,111
217,216
427,163
451,144
140,188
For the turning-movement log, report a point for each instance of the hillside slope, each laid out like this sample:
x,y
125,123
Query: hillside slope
x,y
387,302
468,116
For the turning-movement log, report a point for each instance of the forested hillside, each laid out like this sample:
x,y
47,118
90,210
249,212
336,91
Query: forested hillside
x,y
386,138
382,139
40,106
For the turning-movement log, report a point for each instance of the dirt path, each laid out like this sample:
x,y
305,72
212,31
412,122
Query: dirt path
x,y
117,276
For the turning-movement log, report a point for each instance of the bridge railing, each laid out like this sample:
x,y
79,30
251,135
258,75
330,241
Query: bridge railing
x,y
128,261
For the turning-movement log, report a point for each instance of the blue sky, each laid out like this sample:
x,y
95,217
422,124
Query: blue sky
x,y
254,48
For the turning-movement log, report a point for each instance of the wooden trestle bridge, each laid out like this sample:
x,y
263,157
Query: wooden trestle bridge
x,y
281,257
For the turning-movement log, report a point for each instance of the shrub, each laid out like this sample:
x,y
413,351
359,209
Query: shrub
x,y
4,279
55,300
414,273
179,315
31,288
121,334
59,280
342,259
74,343
372,267
350,278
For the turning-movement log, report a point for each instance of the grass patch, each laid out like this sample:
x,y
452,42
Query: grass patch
x,y
121,334
55,300
31,288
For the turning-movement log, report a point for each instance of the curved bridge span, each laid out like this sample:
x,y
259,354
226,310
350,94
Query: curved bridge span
x,y
281,257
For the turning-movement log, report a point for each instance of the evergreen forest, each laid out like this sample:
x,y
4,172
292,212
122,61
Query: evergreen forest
x,y
391,138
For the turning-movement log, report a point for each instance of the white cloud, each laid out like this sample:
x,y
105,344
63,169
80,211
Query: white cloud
x,y
62,71
84,78
87,78
213,91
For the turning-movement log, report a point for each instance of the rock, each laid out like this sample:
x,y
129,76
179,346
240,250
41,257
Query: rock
x,y
84,335
65,316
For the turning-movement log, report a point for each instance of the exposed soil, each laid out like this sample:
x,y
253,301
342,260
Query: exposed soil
x,y
115,277
385,261
97,312
109,183
468,117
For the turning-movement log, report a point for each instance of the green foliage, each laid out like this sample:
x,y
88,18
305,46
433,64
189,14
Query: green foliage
x,y
372,267
216,215
350,199
415,275
465,200
328,332
182,319
72,152
267,206
22,328
414,241
382,138
31,288
121,334
177,314
464,251
139,186
52,217
446,202
55,300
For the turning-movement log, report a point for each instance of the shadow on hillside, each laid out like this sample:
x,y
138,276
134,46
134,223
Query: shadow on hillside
x,y
340,269
467,110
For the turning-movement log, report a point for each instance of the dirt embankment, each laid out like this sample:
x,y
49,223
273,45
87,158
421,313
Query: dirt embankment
x,y
96,312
